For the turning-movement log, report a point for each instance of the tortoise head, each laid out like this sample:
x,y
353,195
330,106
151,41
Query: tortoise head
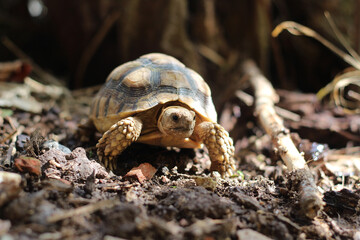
x,y
177,121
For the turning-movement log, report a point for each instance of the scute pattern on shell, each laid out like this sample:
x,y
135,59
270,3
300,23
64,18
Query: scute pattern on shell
x,y
151,80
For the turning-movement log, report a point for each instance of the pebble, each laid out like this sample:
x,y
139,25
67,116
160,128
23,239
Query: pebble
x,y
51,144
28,165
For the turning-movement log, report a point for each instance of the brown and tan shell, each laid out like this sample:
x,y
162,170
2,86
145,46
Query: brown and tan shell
x,y
147,82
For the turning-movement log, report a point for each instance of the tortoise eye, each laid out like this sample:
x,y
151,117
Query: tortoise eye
x,y
175,117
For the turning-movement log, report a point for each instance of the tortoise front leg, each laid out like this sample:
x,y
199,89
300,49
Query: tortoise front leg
x,y
117,139
220,146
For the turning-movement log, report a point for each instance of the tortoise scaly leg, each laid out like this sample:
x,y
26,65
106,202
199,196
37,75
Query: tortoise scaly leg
x,y
220,146
117,139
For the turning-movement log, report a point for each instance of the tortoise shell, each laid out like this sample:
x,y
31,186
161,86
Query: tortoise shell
x,y
149,81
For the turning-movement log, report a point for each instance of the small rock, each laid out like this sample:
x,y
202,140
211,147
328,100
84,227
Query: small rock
x,y
54,155
52,162
206,182
9,186
51,144
249,202
79,167
21,141
73,167
60,185
4,227
30,207
165,171
164,179
246,234
76,153
183,222
144,171
210,229
174,170
65,182
28,165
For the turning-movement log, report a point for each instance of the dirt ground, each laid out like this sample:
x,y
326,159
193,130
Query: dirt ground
x,y
51,186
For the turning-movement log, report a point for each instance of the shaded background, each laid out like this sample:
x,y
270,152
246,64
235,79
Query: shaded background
x,y
81,41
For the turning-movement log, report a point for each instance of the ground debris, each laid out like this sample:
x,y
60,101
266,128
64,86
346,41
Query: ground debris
x,y
247,201
130,221
144,171
85,210
28,164
342,202
211,229
268,224
319,123
76,198
18,96
4,227
73,167
14,71
30,208
246,234
9,186
183,203
34,143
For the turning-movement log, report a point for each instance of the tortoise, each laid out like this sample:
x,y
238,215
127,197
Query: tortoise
x,y
157,100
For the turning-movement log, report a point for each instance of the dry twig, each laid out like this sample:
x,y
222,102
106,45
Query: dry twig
x,y
310,199
340,87
84,210
298,29
44,76
94,45
11,150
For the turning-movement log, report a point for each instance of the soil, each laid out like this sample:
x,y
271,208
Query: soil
x,y
52,187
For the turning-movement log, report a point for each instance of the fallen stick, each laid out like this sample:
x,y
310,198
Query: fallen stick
x,y
84,210
11,150
310,199
93,46
44,76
